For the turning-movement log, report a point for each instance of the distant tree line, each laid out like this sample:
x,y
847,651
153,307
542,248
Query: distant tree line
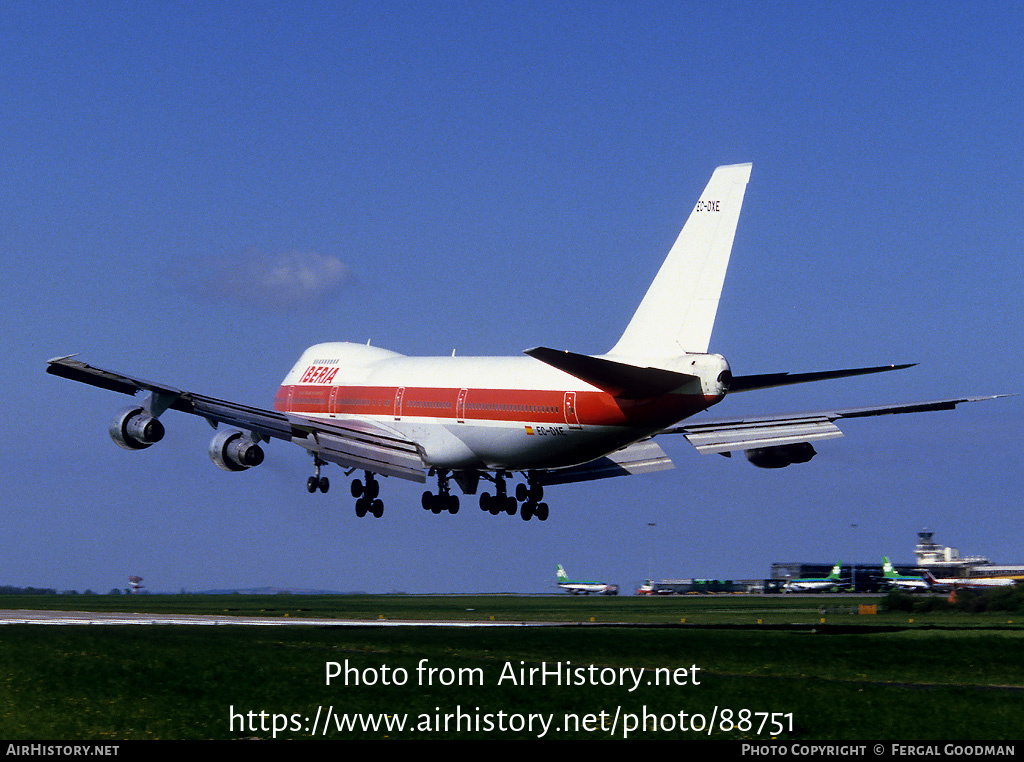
x,y
1009,599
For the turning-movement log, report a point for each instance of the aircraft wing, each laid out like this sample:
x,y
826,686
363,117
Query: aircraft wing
x,y
360,443
349,442
638,458
725,436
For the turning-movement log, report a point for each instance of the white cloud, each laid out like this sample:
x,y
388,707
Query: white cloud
x,y
294,279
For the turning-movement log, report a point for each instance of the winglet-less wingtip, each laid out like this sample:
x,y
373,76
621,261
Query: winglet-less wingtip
x,y
61,357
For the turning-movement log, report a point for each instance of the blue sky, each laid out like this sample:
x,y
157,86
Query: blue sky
x,y
195,193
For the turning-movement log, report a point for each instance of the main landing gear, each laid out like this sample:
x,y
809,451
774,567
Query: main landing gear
x,y
317,482
526,501
444,500
530,495
366,494
367,501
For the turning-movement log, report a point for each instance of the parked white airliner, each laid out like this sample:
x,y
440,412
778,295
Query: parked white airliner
x,y
553,416
583,586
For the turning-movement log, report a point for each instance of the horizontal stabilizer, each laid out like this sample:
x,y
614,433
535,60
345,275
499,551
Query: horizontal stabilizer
x,y
638,458
616,378
768,380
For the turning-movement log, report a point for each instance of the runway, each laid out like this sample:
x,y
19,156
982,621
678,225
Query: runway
x,y
25,616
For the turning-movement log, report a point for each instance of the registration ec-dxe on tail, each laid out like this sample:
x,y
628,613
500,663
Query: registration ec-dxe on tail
x,y
551,416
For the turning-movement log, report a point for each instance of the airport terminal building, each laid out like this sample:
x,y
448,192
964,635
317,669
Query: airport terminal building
x,y
940,560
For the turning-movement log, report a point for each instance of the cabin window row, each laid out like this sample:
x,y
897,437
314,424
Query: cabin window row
x,y
499,407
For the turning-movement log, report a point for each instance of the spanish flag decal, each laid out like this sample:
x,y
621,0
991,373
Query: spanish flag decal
x,y
529,430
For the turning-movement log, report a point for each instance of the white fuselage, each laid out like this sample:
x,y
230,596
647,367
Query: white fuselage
x,y
810,585
491,413
949,583
908,583
575,588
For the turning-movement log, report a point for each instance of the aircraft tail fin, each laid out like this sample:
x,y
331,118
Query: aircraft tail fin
x,y
836,570
678,311
562,576
887,569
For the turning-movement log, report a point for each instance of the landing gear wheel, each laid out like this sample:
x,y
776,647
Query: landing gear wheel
x,y
510,505
522,493
427,500
362,505
315,482
377,508
486,498
357,488
526,512
452,502
541,511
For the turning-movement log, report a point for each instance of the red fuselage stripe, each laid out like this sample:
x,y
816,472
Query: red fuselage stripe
x,y
534,406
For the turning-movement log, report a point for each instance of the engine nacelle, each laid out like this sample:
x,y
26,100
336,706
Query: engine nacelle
x,y
135,429
782,455
234,451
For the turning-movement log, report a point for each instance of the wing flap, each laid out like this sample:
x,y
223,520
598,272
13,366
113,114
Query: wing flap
x,y
638,458
715,439
267,423
356,443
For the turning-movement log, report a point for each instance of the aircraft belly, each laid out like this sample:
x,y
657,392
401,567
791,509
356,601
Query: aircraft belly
x,y
513,446
439,446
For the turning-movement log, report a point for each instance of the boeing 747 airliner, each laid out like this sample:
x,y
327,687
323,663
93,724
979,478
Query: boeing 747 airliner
x,y
551,416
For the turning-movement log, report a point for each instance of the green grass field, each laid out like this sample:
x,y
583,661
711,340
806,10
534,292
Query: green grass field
x,y
882,677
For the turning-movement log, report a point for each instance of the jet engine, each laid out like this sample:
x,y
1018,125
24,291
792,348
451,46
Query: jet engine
x,y
782,455
134,429
235,451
